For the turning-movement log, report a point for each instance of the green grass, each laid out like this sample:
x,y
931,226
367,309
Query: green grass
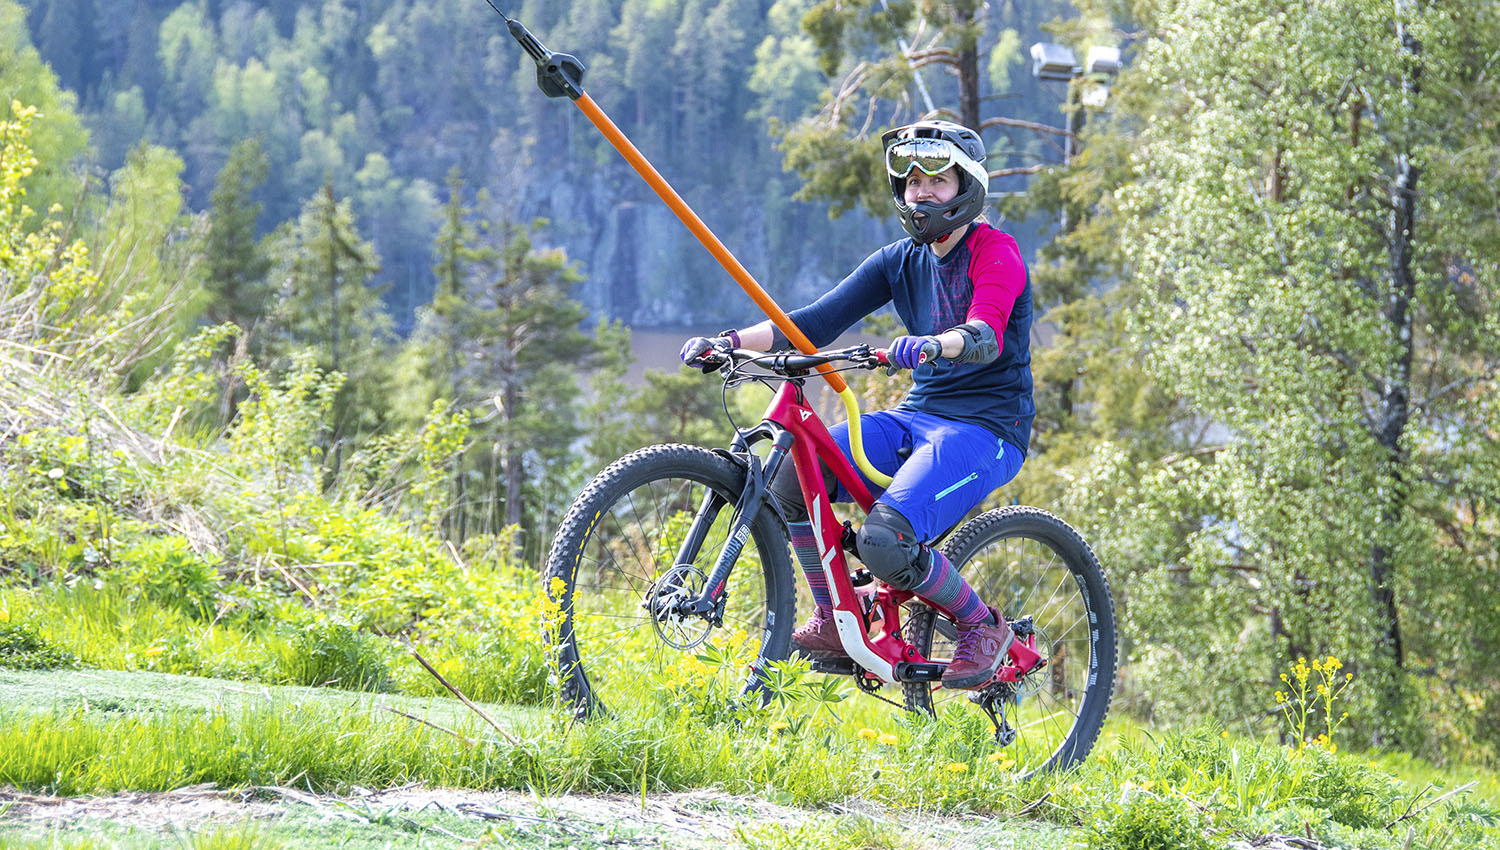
x,y
104,627
100,731
104,693
539,827
89,732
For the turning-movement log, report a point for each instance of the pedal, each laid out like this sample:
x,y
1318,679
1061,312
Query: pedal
x,y
836,666
917,671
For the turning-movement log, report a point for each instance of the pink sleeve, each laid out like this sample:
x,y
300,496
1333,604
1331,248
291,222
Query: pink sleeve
x,y
998,275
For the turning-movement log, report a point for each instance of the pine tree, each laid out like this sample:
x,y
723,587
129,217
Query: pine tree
x,y
237,263
320,273
502,339
68,39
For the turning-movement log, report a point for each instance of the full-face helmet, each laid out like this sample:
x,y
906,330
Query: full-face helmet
x,y
935,146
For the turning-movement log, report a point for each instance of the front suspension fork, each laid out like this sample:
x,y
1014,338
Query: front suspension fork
x,y
758,475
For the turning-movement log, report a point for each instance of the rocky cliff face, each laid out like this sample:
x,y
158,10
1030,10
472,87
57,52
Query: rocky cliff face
x,y
644,266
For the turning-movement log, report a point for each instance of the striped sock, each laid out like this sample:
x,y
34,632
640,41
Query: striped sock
x,y
805,544
947,590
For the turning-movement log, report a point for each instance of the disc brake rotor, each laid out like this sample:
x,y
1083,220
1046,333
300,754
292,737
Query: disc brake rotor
x,y
680,584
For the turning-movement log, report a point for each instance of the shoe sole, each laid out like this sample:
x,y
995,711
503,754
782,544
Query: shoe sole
x,y
817,654
969,683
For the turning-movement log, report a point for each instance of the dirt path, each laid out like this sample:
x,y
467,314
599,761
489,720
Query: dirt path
x,y
448,818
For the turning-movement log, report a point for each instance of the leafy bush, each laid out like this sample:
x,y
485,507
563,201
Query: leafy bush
x,y
333,654
22,648
168,572
1148,822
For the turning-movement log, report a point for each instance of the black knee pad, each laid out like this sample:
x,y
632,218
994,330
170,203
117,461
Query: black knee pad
x,y
788,492
890,548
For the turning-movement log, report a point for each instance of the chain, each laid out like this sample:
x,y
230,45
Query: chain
x,y
872,687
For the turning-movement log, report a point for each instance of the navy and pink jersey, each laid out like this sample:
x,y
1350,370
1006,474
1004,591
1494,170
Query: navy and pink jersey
x,y
981,278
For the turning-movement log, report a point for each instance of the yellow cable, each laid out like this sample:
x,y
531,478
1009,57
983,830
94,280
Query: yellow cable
x,y
857,443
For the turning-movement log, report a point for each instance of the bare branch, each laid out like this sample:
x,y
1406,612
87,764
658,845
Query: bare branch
x,y
1033,126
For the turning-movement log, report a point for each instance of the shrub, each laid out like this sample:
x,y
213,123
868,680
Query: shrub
x,y
1148,822
333,654
22,648
168,572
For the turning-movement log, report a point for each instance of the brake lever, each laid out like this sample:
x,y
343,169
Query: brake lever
x,y
883,358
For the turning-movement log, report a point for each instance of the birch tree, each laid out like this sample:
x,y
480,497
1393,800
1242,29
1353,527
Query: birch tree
x,y
1313,222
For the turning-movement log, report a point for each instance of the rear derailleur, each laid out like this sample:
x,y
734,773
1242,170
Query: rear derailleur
x,y
993,698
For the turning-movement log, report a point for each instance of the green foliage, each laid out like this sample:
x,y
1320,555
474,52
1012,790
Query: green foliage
x,y
505,303
443,439
22,648
845,833
242,837
237,265
60,135
38,261
333,654
320,272
184,394
168,572
1277,306
1148,822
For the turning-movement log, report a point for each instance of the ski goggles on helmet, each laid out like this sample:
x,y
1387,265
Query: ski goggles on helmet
x,y
931,156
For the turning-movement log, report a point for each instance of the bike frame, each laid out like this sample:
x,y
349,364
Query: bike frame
x,y
796,430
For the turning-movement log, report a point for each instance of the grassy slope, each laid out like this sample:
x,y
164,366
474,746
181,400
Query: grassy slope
x,y
118,692
237,734
121,700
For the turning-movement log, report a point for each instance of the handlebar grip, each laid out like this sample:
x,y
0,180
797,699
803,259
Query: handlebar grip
x,y
932,346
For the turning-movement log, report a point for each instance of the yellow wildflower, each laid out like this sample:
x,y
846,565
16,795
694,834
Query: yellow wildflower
x,y
888,739
956,767
780,726
869,734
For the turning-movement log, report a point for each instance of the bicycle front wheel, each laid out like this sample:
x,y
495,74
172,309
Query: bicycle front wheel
x,y
618,563
1035,569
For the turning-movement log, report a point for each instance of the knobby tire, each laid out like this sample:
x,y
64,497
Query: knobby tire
x,y
1025,561
609,549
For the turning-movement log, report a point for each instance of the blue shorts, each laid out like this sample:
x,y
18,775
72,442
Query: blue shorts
x,y
952,467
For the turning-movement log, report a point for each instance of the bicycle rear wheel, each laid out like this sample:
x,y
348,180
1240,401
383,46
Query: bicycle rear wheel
x,y
1030,564
613,571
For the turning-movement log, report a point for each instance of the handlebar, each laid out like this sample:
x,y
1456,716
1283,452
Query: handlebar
x,y
792,363
795,366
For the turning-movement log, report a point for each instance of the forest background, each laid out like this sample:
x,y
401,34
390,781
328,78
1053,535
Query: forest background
x,y
301,283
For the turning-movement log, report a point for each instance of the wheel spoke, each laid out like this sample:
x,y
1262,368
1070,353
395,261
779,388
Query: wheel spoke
x,y
1011,563
615,548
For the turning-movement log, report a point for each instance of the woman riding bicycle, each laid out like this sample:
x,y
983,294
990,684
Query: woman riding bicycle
x,y
963,293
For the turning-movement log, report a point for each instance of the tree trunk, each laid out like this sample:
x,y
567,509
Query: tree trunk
x,y
1395,414
512,457
968,87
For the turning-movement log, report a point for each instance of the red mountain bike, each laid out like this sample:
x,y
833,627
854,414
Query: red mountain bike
x,y
651,564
